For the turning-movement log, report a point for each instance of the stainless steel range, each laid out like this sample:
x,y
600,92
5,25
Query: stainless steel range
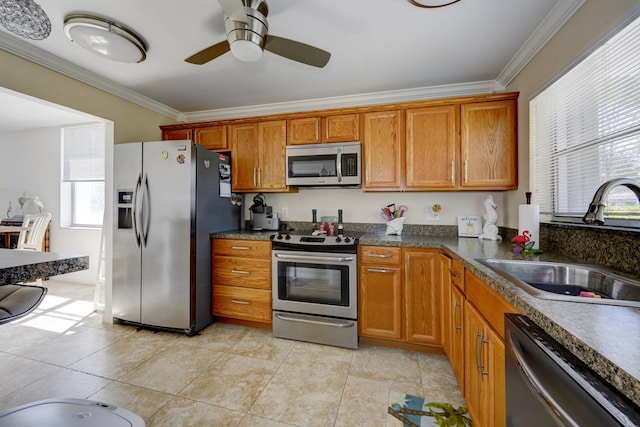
x,y
315,289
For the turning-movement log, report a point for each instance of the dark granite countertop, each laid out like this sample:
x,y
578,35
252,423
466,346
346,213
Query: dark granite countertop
x,y
25,266
605,337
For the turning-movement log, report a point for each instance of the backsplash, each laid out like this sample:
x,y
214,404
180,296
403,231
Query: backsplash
x,y
616,249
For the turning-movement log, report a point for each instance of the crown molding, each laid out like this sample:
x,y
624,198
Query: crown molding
x,y
52,62
552,23
404,95
558,16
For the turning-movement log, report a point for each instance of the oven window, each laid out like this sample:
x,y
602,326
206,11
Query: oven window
x,y
314,283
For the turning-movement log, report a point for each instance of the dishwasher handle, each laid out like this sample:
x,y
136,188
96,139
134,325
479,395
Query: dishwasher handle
x,y
534,383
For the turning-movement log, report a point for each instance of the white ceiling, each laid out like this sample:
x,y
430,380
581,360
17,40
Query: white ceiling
x,y
378,47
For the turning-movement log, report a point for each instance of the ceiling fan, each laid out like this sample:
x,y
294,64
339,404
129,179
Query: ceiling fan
x,y
245,22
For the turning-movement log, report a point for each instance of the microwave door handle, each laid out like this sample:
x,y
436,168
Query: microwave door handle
x,y
339,165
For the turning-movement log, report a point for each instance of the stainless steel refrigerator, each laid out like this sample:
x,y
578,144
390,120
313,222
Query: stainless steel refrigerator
x,y
169,195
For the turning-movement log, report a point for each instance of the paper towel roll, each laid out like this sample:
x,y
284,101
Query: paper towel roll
x,y
529,219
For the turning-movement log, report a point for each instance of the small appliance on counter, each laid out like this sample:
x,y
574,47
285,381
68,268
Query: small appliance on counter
x,y
262,216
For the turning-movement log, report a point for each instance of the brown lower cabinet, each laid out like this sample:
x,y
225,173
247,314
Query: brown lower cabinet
x,y
484,311
399,296
241,280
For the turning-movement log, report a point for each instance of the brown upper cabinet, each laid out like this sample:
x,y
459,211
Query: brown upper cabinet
x,y
383,150
213,138
450,144
431,146
442,147
489,145
258,154
177,134
315,130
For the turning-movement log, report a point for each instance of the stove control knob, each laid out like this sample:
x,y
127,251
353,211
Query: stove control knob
x,y
347,240
338,239
279,236
287,237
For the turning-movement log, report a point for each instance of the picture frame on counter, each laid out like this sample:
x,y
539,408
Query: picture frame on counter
x,y
469,226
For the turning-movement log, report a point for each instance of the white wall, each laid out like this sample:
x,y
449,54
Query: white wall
x,y
30,161
359,206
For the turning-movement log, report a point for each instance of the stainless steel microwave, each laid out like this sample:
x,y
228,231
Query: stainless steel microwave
x,y
324,165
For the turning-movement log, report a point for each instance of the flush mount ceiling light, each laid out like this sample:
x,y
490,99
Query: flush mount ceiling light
x,y
105,38
25,18
427,6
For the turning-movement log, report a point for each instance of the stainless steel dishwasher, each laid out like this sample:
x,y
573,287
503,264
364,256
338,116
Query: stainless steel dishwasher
x,y
548,386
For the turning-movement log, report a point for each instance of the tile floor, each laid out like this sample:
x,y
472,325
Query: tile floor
x,y
227,376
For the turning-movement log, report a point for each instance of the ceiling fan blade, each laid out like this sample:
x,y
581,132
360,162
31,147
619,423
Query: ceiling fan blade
x,y
210,53
297,51
234,9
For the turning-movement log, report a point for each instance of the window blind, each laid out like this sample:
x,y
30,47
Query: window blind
x,y
83,153
585,128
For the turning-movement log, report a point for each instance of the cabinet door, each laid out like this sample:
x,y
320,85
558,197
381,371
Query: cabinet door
x,y
272,137
383,151
177,134
431,142
422,296
304,131
457,357
212,137
244,152
341,128
489,145
485,387
446,307
380,302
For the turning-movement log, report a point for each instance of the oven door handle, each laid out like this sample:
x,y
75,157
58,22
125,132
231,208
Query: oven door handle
x,y
314,258
334,323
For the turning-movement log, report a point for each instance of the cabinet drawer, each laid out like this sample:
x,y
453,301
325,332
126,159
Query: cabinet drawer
x,y
379,255
242,248
457,274
242,303
245,272
488,302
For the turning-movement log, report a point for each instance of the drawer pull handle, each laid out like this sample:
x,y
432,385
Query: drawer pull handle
x,y
379,270
235,301
453,273
379,255
240,248
240,272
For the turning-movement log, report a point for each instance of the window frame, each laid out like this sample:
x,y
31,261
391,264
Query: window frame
x,y
69,193
569,217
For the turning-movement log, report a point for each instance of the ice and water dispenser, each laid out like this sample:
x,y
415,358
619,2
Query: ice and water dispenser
x,y
125,209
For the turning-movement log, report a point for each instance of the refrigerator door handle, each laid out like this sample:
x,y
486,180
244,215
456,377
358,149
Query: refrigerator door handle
x,y
134,210
146,209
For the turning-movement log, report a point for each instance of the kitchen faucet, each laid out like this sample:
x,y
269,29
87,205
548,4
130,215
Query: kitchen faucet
x,y
595,214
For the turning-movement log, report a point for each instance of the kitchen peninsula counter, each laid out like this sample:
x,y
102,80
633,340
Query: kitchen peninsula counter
x,y
25,266
605,337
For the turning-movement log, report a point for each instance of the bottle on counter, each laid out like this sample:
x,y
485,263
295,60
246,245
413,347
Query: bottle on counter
x,y
10,211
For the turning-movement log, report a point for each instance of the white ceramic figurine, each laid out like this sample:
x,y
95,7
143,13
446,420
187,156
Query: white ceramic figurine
x,y
490,230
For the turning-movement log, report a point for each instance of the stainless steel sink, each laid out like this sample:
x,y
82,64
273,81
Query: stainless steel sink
x,y
569,282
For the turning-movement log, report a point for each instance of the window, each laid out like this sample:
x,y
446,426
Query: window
x,y
585,130
83,170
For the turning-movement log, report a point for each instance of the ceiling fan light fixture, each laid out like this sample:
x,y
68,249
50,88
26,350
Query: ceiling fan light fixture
x,y
246,50
105,38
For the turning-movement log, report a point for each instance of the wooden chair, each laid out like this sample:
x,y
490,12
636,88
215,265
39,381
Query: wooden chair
x,y
35,228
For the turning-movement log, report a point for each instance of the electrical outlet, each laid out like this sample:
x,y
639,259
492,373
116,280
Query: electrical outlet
x,y
432,216
285,213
